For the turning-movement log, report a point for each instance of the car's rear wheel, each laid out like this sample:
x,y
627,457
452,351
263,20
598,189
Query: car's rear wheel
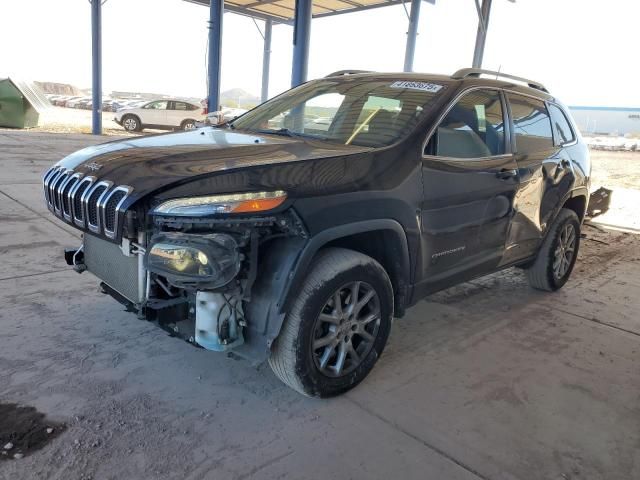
x,y
558,253
337,327
131,123
188,124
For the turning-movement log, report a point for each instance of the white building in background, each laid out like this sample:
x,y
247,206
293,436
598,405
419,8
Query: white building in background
x,y
607,120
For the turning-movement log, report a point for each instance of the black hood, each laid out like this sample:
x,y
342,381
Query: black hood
x,y
158,162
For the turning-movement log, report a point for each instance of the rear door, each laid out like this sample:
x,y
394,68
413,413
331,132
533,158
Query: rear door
x,y
177,113
470,180
545,174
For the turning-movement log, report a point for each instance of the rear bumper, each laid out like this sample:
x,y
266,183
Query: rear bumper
x,y
117,120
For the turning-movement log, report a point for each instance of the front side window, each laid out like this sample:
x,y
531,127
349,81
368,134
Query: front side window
x,y
349,111
159,105
563,131
473,128
531,124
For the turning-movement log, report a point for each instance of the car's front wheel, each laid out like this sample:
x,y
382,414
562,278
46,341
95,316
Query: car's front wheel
x,y
337,327
558,253
131,123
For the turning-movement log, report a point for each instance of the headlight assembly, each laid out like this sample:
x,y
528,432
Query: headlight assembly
x,y
213,204
202,261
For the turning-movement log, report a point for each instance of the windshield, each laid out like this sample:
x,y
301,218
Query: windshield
x,y
372,113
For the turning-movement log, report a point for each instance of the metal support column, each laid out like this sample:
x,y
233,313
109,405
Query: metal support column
x,y
96,62
483,25
216,12
412,33
301,34
266,60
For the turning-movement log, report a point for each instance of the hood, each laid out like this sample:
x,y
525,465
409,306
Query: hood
x,y
158,162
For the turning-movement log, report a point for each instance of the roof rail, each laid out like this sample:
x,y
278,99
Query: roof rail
x,y
348,72
476,72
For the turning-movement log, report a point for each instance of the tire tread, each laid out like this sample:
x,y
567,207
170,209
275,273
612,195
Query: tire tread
x,y
328,263
538,273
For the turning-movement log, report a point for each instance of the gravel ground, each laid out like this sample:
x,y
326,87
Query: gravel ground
x,y
487,380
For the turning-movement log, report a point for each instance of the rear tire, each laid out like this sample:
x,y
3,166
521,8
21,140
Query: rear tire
x,y
188,124
337,327
558,253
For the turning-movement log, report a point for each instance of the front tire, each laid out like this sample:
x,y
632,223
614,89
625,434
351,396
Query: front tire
x,y
337,327
558,253
131,123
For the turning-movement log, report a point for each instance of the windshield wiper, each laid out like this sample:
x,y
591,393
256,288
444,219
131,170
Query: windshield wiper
x,y
280,131
289,133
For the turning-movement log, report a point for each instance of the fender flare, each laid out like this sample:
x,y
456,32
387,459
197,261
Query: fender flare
x,y
341,231
283,265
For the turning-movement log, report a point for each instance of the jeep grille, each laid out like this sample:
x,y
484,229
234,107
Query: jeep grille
x,y
84,201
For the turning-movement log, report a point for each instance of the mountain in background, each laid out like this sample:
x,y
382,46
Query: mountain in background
x,y
238,98
60,88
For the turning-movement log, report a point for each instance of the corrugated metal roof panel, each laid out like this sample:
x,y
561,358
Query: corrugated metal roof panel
x,y
283,10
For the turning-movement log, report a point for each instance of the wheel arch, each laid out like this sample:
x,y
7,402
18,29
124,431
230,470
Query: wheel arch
x,y
384,240
284,263
578,200
137,117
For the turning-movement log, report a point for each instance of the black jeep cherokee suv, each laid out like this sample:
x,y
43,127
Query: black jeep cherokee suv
x,y
296,232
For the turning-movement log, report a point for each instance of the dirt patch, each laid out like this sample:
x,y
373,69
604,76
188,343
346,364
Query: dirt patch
x,y
24,430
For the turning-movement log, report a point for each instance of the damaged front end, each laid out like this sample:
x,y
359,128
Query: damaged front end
x,y
194,271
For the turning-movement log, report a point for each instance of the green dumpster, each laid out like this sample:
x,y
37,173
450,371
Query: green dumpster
x,y
20,103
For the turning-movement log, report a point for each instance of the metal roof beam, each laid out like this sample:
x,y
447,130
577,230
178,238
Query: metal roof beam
x,y
214,58
96,63
266,61
484,12
301,36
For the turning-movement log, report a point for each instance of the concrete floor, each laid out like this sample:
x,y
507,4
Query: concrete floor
x,y
488,380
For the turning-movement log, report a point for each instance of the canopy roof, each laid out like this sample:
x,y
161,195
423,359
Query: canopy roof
x,y
283,11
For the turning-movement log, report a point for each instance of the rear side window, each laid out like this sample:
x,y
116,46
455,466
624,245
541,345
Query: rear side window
x,y
531,124
473,128
561,127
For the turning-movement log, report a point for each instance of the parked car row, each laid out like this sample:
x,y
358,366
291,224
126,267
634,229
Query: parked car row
x,y
136,115
86,102
613,143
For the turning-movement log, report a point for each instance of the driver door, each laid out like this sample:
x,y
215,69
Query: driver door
x,y
156,113
470,179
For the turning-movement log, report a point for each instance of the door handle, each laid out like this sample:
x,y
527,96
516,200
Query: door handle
x,y
505,174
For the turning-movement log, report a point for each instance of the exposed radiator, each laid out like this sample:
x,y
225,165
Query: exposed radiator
x,y
107,262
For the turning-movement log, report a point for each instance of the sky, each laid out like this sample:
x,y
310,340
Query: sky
x,y
584,51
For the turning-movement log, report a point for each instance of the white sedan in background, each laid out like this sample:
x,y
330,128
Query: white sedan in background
x,y
165,114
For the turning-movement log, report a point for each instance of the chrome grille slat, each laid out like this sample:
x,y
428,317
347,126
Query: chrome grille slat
x,y
56,189
84,201
65,199
112,209
91,203
49,187
77,205
46,180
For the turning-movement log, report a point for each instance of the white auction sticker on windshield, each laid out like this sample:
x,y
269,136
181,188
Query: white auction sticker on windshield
x,y
424,86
